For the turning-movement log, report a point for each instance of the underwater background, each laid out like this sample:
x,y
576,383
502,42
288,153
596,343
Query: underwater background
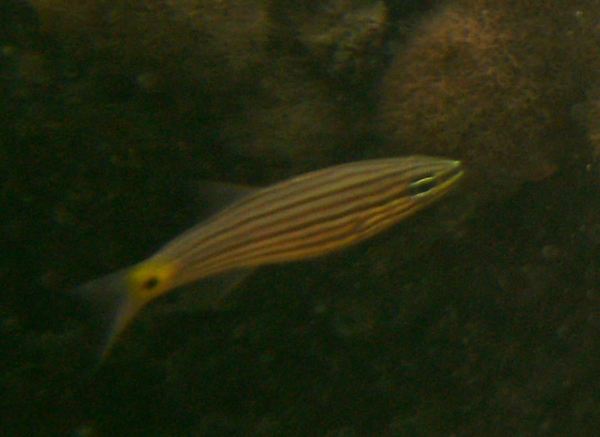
x,y
479,315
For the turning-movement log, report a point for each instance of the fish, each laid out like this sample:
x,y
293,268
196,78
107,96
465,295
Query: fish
x,y
306,216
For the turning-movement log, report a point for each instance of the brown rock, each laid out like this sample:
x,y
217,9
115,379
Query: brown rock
x,y
491,83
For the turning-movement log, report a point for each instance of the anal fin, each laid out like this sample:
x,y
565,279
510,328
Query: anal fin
x,y
209,294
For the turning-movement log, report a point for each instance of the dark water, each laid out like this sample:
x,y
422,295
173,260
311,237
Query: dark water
x,y
480,315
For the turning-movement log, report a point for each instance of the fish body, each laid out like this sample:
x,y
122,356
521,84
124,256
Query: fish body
x,y
306,216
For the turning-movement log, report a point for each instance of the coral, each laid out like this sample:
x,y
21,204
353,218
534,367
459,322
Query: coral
x,y
491,83
209,44
344,38
211,66
289,120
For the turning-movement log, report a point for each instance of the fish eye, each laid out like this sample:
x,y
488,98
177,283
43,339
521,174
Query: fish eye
x,y
422,186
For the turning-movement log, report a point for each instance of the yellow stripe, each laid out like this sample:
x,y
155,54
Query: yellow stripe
x,y
309,215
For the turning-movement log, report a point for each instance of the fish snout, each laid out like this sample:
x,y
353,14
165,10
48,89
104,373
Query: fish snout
x,y
435,178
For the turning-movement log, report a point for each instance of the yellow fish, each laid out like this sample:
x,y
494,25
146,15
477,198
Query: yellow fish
x,y
303,217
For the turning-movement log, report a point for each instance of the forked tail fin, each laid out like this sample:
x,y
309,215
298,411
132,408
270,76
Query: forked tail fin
x,y
111,305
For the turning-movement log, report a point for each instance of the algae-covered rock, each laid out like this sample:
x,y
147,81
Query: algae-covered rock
x,y
492,83
590,118
209,67
345,38
291,117
208,44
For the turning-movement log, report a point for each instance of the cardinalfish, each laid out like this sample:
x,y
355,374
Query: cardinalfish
x,y
306,216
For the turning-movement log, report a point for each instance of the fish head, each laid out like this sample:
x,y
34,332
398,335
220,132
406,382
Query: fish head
x,y
433,178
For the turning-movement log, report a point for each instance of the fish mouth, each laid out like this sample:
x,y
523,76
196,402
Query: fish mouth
x,y
448,176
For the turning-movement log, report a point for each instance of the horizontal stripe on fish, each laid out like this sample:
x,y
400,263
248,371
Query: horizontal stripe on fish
x,y
305,242
303,217
300,224
315,211
297,190
355,179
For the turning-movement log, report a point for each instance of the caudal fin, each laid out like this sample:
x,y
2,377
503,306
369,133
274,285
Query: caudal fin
x,y
111,306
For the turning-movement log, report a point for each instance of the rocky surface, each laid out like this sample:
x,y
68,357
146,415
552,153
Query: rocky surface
x,y
480,315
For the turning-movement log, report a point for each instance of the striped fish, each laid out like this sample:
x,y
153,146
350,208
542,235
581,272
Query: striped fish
x,y
303,217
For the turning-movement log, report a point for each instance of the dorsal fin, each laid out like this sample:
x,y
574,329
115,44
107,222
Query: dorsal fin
x,y
212,197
